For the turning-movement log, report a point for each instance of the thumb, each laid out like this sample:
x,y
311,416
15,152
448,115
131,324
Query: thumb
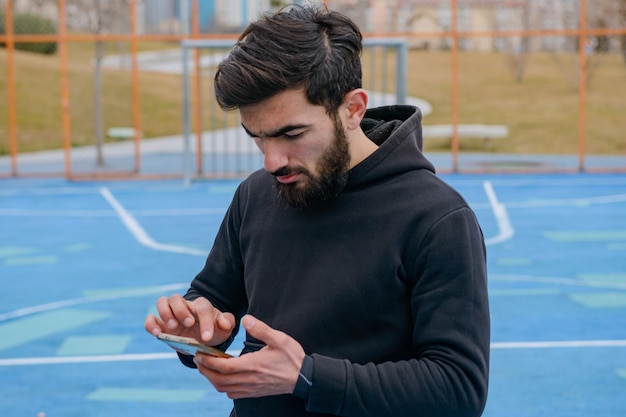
x,y
226,321
259,330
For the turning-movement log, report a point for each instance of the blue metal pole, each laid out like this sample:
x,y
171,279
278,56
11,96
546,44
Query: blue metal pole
x,y
244,12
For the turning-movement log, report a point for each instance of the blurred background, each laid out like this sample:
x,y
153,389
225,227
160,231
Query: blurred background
x,y
122,88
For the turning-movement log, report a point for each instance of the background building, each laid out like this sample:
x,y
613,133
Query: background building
x,y
429,18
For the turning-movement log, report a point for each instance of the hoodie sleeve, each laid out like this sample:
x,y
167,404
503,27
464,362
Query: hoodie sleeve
x,y
221,279
448,375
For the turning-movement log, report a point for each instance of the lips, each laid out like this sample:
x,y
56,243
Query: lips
x,y
287,175
287,179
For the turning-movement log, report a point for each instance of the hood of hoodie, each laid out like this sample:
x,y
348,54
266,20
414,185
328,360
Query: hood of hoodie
x,y
397,130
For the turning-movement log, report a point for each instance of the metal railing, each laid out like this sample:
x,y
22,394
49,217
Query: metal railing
x,y
15,156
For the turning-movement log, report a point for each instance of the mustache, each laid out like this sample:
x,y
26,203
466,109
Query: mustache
x,y
285,171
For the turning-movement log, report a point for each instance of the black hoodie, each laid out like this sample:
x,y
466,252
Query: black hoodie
x,y
385,288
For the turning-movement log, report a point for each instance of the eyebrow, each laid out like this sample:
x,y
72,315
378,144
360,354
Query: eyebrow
x,y
278,132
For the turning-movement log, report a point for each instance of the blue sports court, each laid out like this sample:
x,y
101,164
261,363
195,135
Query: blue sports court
x,y
82,263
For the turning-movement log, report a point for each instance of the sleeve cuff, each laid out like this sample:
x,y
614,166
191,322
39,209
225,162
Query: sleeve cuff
x,y
304,383
187,360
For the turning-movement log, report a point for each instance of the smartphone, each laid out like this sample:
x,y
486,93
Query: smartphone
x,y
190,346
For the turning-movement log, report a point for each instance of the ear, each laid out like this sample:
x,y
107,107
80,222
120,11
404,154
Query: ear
x,y
356,104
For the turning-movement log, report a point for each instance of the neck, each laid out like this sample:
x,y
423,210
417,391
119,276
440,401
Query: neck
x,y
360,148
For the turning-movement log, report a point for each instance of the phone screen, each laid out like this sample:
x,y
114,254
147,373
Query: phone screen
x,y
190,346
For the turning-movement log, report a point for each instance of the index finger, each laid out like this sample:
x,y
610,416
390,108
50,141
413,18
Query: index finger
x,y
207,316
154,325
175,311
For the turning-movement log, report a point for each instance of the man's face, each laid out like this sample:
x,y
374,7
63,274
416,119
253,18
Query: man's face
x,y
304,148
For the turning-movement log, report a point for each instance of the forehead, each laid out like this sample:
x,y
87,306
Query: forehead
x,y
290,107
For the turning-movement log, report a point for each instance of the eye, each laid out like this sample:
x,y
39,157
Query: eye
x,y
293,136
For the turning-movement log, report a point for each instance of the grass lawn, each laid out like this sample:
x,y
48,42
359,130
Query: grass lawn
x,y
39,111
541,111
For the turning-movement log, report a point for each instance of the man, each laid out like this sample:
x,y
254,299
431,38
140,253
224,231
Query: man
x,y
358,275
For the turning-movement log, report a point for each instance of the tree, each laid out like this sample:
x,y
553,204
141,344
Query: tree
x,y
622,19
602,15
277,4
98,17
31,24
518,48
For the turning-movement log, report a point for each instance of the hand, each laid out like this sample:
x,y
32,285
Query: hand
x,y
197,319
272,370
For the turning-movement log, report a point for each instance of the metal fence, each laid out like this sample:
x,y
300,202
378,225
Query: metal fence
x,y
97,89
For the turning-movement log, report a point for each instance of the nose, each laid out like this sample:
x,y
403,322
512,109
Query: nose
x,y
274,155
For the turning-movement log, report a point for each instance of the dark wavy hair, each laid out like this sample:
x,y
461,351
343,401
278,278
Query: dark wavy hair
x,y
305,47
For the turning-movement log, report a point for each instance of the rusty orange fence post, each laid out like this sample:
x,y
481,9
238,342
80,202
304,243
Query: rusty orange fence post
x,y
582,85
134,38
11,96
454,29
195,33
65,94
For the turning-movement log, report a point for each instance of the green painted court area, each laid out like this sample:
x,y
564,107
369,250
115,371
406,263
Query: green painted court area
x,y
146,395
82,263
33,328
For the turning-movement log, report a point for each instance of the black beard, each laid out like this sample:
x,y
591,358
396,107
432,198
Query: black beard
x,y
320,189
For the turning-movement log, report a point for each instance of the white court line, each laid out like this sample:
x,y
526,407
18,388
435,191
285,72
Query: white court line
x,y
559,281
59,360
576,202
559,344
565,202
21,212
56,360
84,300
506,231
140,234
548,180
